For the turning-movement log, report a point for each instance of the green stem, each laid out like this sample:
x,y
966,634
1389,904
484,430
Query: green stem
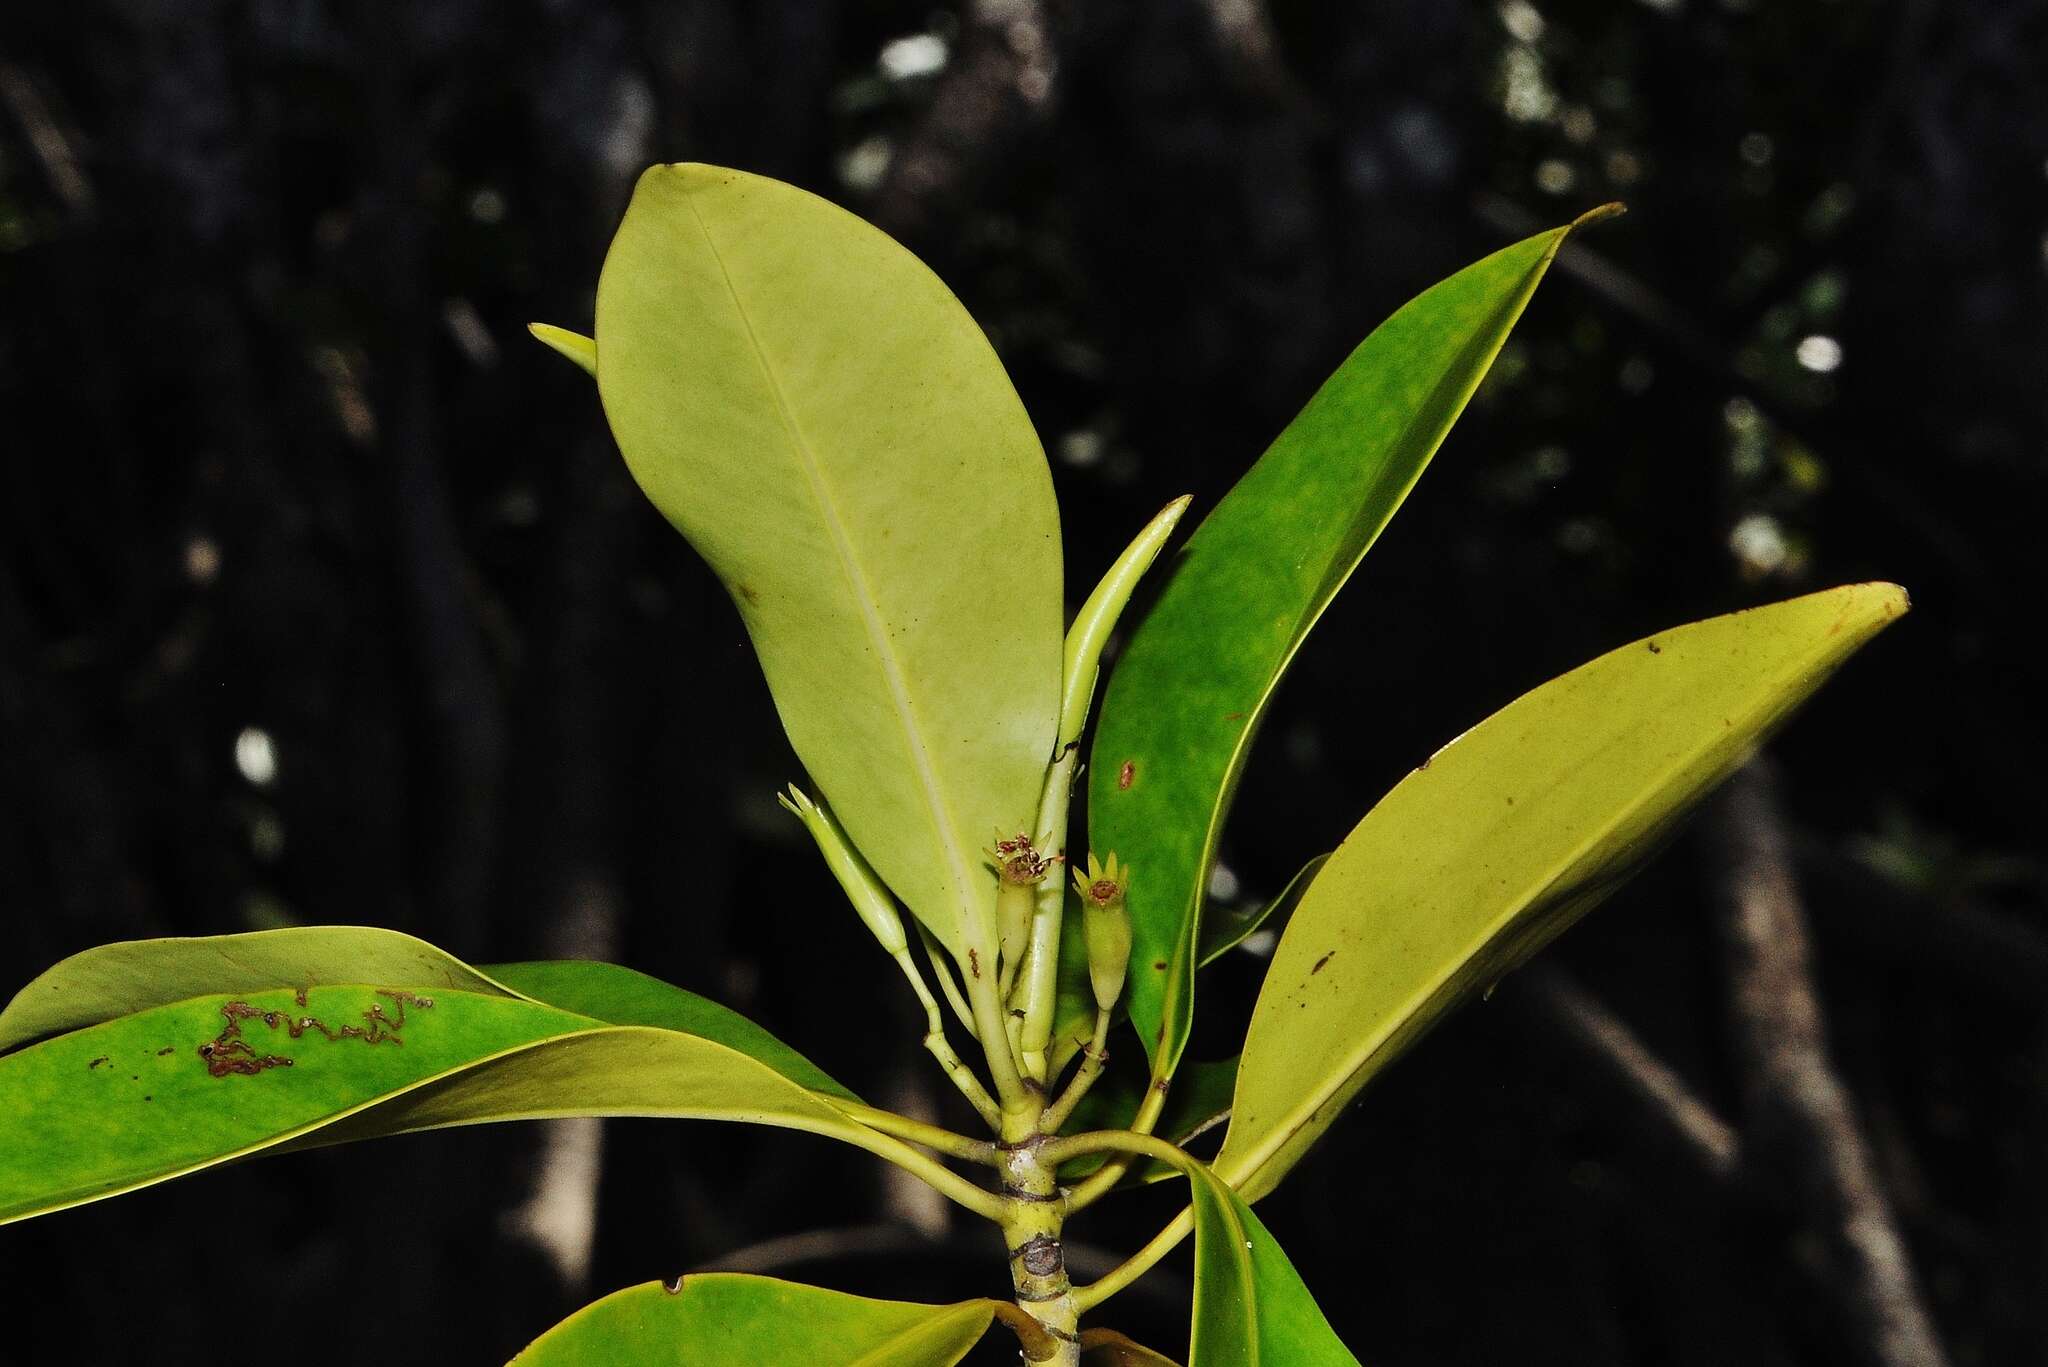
x,y
918,1132
1038,988
919,1164
994,1037
1032,1236
940,1048
1099,1182
1057,1151
1093,1059
1087,1297
949,985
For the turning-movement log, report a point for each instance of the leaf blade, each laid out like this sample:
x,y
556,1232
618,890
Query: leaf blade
x,y
737,1317
108,981
740,317
123,1099
624,996
1179,716
1251,1307
1505,836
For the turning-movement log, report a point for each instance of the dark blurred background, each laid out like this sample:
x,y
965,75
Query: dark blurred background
x,y
324,597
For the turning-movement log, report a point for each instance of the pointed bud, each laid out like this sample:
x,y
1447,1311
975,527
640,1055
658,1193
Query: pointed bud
x,y
870,897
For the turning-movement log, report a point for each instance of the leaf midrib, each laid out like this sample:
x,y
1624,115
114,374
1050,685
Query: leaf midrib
x,y
850,566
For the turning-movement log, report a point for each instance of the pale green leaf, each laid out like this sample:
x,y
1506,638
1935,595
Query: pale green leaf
x,y
814,410
729,1317
1503,838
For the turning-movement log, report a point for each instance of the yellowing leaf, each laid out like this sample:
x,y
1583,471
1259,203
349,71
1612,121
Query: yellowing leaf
x,y
1506,836
811,407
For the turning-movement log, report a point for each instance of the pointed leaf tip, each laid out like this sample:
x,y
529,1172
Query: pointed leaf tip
x,y
573,345
1614,208
1509,834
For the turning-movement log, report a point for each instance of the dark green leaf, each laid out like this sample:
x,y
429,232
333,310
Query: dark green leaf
x,y
1186,698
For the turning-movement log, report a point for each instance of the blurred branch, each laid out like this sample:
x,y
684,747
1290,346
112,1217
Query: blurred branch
x,y
1803,1120
1650,1086
54,148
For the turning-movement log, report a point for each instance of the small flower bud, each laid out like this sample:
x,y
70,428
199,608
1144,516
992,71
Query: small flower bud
x,y
1020,868
1105,926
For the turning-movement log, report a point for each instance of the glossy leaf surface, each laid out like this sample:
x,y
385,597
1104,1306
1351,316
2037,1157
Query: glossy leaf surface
x,y
621,996
1251,1308
814,410
168,1088
107,981
1503,838
1186,698
727,1317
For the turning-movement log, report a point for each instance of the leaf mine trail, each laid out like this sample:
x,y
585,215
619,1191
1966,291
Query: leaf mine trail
x,y
228,1054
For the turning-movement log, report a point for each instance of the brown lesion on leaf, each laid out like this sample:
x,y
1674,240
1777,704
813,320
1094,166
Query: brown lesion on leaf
x,y
1127,772
95,1063
228,1054
974,963
167,1049
1320,962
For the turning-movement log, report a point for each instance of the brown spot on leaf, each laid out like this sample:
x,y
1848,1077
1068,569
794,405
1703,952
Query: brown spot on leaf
x,y
167,1049
95,1063
974,963
1159,965
1125,773
1655,649
1320,962
1233,716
